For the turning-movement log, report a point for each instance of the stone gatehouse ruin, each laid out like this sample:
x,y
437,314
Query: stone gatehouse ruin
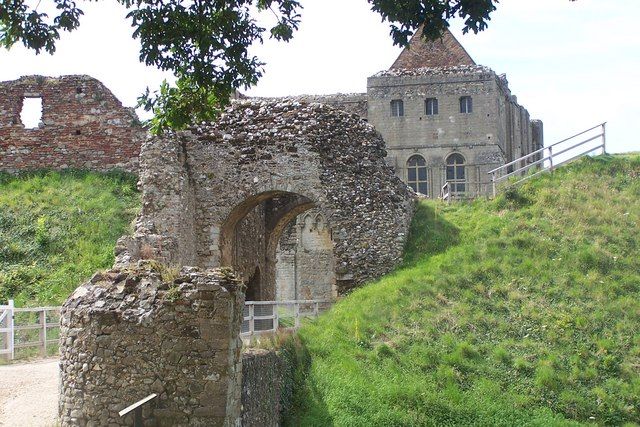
x,y
215,202
222,194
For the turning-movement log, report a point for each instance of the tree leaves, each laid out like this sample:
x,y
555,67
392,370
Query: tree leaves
x,y
205,43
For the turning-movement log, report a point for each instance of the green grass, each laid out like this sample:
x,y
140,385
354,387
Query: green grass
x,y
57,229
523,310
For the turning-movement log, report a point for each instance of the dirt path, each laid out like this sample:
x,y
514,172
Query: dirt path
x,y
29,394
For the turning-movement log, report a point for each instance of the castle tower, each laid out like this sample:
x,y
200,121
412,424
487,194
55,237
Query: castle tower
x,y
446,119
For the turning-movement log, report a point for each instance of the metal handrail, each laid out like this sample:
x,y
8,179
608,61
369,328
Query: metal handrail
x,y
550,157
533,153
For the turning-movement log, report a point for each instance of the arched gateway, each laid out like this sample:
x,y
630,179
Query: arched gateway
x,y
220,195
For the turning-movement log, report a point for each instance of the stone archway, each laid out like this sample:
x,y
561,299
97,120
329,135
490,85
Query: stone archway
x,y
249,236
166,319
287,157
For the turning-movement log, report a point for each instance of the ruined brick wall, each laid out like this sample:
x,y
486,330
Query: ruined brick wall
x,y
128,333
83,126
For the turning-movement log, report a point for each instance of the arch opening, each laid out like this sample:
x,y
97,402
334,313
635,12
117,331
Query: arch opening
x,y
249,243
305,264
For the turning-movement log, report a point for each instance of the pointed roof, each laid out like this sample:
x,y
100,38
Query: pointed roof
x,y
421,53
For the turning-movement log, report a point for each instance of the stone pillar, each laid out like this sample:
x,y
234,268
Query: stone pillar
x,y
150,329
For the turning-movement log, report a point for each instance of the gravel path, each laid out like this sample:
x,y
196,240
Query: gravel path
x,y
29,394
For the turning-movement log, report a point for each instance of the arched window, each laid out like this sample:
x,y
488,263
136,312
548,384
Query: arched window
x,y
417,174
456,173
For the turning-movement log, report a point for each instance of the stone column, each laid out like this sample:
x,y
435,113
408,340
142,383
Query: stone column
x,y
150,329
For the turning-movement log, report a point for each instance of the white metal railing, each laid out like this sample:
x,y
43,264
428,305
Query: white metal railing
x,y
22,328
261,317
39,327
450,190
550,157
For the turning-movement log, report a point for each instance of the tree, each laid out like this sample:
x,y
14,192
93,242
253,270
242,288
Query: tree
x,y
205,42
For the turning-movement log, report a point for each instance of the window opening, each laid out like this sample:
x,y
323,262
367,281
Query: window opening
x,y
417,174
455,170
397,108
466,105
431,106
31,114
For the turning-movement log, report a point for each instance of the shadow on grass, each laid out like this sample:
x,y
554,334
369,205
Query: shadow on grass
x,y
300,394
429,234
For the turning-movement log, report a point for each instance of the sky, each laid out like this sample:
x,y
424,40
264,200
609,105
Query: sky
x,y
571,64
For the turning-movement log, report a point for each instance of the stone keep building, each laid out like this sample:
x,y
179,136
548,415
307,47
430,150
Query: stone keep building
x,y
443,118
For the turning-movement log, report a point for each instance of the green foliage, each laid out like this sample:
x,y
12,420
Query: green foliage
x,y
523,310
205,44
57,229
178,107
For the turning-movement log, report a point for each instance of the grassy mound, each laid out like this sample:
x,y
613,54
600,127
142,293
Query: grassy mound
x,y
523,310
57,229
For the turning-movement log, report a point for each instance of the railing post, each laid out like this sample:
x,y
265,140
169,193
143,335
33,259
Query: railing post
x,y
276,319
11,336
251,320
550,160
296,311
43,333
604,138
493,183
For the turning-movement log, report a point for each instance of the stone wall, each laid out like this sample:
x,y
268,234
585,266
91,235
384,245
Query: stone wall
x,y
128,333
496,131
353,103
263,388
284,157
304,265
83,126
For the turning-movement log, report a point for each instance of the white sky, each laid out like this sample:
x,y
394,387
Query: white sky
x,y
571,64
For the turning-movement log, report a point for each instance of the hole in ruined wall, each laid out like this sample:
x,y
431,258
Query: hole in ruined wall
x,y
78,90
31,114
78,132
253,286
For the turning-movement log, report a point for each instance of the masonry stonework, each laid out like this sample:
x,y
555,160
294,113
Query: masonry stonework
x,y
304,264
83,126
274,160
128,333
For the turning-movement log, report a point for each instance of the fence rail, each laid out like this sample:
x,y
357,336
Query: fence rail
x,y
262,317
470,189
548,158
25,328
28,328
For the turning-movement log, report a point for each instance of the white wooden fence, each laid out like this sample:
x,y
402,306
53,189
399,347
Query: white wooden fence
x,y
262,317
28,328
38,328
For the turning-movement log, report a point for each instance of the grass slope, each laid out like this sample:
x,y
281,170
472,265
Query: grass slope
x,y
57,229
523,310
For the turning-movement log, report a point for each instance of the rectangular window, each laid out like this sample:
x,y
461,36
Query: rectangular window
x,y
31,114
397,108
431,106
466,105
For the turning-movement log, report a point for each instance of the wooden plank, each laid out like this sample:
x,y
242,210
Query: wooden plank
x,y
141,402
